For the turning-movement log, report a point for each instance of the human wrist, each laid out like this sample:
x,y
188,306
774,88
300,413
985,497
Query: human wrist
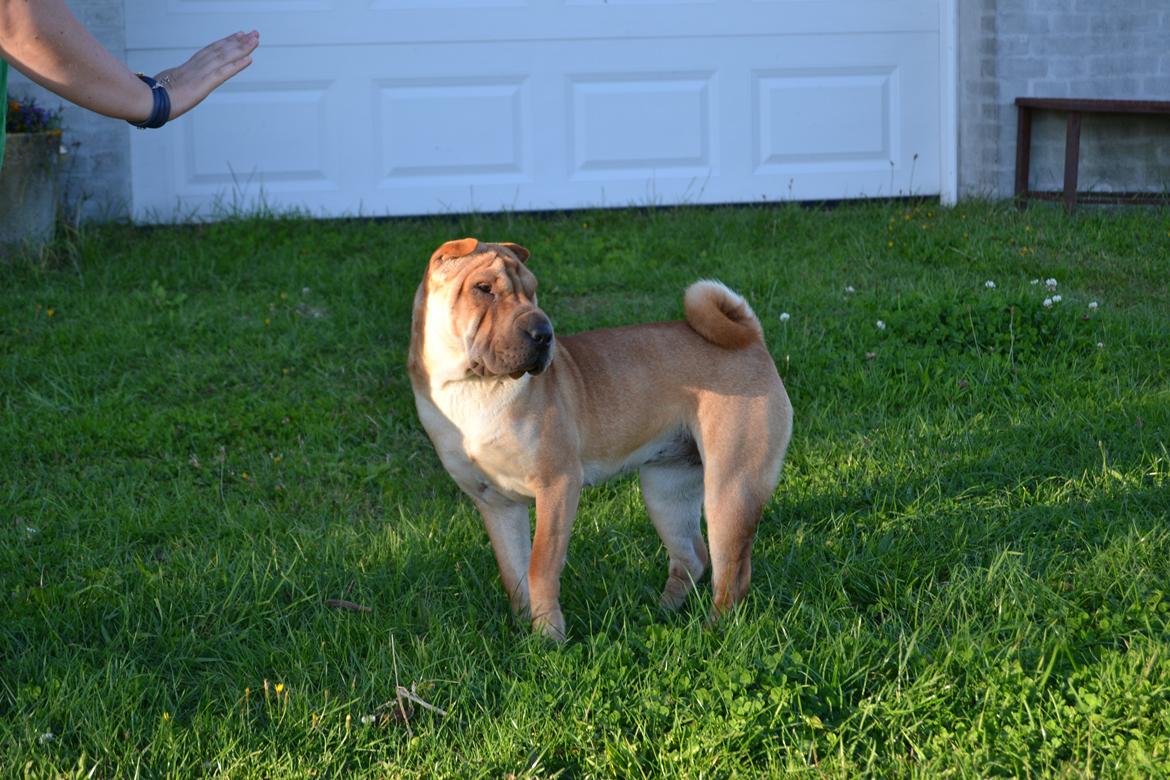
x,y
160,111
142,104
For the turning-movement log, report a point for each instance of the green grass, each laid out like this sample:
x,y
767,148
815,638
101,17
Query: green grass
x,y
965,569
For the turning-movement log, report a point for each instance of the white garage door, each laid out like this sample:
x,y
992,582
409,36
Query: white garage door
x,y
373,107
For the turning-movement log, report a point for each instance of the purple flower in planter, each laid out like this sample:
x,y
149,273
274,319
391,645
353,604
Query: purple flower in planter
x,y
28,117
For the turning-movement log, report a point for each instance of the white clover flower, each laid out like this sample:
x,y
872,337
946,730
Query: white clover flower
x,y
1050,284
881,325
368,719
785,316
990,285
1093,305
46,738
1047,303
849,289
1035,281
1100,345
1056,299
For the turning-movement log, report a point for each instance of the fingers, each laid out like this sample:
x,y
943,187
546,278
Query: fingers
x,y
208,68
240,44
233,47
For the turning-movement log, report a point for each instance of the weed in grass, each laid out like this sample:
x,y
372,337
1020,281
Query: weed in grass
x,y
210,443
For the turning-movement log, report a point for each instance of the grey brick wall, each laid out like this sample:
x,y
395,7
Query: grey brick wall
x,y
96,185
1062,48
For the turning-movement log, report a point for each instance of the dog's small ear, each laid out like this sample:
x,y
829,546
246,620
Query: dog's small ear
x,y
517,250
452,249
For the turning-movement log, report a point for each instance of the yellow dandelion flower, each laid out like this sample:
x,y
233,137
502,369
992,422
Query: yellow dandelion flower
x,y
279,688
50,312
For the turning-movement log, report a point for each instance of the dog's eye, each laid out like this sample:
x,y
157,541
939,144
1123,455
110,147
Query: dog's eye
x,y
484,288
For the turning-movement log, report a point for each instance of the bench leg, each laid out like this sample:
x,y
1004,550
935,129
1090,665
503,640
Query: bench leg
x,y
1023,155
1072,159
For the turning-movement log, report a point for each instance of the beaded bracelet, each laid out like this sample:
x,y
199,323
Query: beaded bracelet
x,y
162,105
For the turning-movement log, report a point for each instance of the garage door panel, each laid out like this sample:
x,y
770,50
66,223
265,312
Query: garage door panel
x,y
470,128
216,154
635,124
810,117
865,115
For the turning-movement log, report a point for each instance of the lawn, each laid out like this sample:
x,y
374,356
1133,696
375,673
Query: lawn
x,y
206,433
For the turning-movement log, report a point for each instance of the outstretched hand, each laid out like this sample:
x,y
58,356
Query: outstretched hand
x,y
209,67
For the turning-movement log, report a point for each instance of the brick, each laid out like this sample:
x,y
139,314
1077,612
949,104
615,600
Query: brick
x,y
1122,65
1067,67
1010,89
1012,45
1050,88
1024,67
1111,7
1121,88
1066,45
1032,24
1123,22
1069,23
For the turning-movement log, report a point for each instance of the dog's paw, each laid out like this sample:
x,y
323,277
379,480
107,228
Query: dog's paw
x,y
551,625
675,594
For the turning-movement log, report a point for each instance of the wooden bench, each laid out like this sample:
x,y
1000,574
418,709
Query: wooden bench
x,y
1075,108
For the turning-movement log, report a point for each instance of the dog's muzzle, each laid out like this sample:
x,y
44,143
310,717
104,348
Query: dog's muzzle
x,y
539,332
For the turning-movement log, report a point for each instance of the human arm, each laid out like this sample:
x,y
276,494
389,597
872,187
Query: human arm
x,y
46,42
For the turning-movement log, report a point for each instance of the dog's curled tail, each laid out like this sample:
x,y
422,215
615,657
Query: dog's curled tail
x,y
720,315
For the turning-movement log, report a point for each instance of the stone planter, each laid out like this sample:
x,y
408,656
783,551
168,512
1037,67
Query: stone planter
x,y
28,190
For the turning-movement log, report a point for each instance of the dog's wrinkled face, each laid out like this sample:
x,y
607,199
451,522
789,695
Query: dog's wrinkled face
x,y
481,308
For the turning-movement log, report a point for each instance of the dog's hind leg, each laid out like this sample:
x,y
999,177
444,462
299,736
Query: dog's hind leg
x,y
743,446
673,493
733,512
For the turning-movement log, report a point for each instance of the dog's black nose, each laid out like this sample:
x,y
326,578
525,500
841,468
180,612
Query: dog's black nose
x,y
541,332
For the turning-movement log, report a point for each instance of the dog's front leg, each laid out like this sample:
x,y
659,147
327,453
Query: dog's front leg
x,y
507,527
556,508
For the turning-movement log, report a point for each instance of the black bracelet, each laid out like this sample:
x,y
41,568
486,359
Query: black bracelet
x,y
162,105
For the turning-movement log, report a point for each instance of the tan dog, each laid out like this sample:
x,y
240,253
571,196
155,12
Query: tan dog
x,y
516,414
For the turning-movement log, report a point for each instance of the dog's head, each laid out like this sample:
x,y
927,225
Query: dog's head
x,y
476,314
